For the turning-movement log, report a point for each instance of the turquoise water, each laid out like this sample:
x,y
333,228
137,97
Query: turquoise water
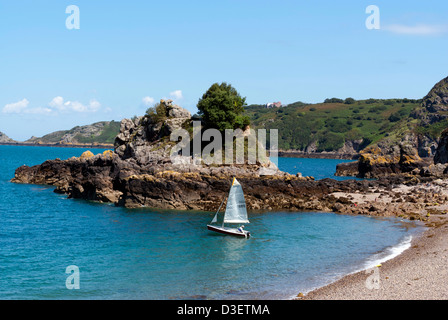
x,y
318,168
156,254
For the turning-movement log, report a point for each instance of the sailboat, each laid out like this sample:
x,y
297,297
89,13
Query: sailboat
x,y
236,213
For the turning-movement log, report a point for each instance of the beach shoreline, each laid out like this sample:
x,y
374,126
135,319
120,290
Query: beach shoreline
x,y
418,273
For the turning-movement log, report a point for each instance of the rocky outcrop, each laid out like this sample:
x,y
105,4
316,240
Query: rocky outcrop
x,y
5,139
375,162
141,172
146,140
436,102
108,178
389,160
414,149
431,114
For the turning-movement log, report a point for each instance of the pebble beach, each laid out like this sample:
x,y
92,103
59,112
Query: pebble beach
x,y
419,273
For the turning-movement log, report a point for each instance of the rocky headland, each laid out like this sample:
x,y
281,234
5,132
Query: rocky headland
x,y
5,139
97,135
419,148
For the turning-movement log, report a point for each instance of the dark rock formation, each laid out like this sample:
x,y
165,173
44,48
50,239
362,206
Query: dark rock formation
x,y
441,155
141,172
413,150
437,100
376,162
108,178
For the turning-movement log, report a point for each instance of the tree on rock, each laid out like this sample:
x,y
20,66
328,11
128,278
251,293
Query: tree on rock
x,y
222,107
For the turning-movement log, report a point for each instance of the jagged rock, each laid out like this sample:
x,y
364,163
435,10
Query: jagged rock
x,y
384,160
146,140
434,170
437,99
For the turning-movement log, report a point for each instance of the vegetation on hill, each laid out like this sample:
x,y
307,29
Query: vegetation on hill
x,y
330,124
100,132
105,136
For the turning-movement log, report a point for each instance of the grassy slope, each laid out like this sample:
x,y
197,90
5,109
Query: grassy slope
x,y
330,124
107,136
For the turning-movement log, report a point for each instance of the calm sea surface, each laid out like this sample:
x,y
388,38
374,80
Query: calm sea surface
x,y
318,168
156,254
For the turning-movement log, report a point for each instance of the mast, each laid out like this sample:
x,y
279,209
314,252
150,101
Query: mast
x,y
215,219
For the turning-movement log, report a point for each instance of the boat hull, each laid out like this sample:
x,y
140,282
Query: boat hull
x,y
229,231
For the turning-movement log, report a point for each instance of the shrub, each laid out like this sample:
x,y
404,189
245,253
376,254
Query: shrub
x,y
333,100
394,117
157,113
349,101
330,142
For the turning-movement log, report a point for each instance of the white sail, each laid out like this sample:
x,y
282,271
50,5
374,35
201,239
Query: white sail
x,y
236,211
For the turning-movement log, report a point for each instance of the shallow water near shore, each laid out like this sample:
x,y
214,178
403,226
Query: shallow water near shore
x,y
159,254
317,168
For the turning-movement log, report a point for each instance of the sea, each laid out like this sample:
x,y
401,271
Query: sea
x,y
53,248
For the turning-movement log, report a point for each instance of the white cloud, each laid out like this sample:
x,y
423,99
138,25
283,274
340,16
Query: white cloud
x,y
148,101
419,29
177,94
56,105
16,107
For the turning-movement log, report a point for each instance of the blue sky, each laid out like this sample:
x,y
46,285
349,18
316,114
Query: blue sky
x,y
129,54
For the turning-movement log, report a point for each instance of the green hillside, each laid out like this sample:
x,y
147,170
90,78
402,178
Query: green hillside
x,y
335,121
103,132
